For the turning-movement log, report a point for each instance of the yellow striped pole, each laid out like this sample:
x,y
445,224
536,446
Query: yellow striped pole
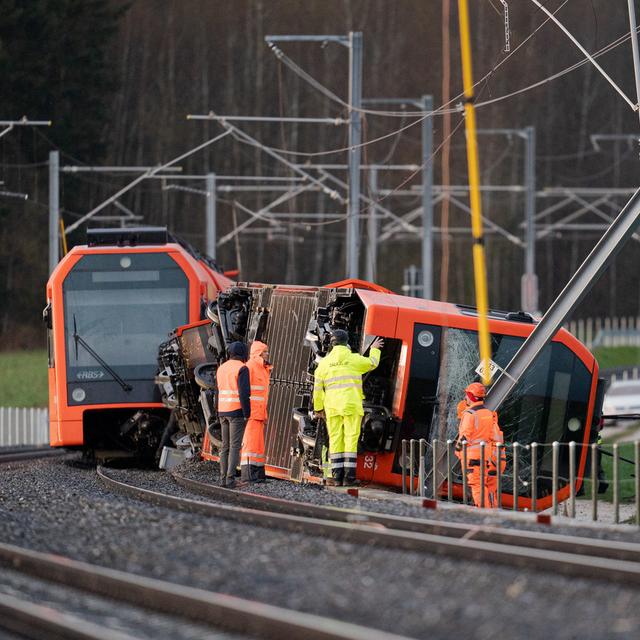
x,y
479,264
63,237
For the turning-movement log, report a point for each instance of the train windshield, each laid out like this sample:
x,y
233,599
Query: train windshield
x,y
549,403
122,306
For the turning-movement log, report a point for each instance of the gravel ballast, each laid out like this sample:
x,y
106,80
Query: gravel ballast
x,y
52,506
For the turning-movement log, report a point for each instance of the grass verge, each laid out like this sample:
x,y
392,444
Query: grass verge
x,y
23,379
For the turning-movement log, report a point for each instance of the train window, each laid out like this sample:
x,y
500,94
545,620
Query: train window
x,y
549,403
123,310
554,390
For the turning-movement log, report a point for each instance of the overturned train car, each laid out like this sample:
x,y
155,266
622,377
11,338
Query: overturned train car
x,y
430,356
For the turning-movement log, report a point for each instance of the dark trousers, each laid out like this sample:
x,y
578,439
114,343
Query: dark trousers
x,y
232,434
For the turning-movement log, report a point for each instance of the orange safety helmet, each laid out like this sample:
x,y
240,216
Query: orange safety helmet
x,y
475,391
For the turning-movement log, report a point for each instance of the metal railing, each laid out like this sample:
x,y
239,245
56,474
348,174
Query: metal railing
x,y
23,426
606,332
530,472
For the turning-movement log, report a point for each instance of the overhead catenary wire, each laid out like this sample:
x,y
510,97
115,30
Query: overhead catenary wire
x,y
590,58
144,176
441,110
286,60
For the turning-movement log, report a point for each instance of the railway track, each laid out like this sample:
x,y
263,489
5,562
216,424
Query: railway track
x,y
217,610
26,454
34,621
578,557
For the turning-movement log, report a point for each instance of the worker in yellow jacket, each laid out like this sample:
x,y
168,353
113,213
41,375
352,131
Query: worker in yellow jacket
x,y
337,397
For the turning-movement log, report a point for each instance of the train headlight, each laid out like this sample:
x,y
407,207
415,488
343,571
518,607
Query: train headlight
x,y
78,394
574,424
425,339
125,262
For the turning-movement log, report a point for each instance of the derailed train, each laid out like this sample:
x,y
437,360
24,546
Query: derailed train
x,y
112,302
430,356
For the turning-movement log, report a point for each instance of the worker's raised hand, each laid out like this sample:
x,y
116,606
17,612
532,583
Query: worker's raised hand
x,y
378,343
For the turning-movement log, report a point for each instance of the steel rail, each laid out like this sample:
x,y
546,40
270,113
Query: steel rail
x,y
203,607
28,454
30,620
362,530
594,547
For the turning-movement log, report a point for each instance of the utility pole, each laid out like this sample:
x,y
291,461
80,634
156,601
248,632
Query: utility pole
x,y
355,152
427,200
372,228
211,215
354,42
54,208
529,292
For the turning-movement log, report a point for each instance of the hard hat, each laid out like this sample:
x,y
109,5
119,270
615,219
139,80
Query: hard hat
x,y
339,336
476,390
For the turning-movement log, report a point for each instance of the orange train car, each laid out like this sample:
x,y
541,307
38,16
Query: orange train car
x,y
109,305
430,355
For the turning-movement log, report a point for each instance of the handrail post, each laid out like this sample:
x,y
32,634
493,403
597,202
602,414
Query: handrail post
x,y
404,466
482,476
594,482
554,475
422,451
434,459
412,454
572,478
534,476
515,475
449,472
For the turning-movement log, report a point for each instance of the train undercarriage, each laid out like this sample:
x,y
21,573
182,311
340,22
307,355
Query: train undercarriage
x,y
296,324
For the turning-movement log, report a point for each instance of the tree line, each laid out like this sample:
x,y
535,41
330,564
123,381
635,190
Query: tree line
x,y
118,79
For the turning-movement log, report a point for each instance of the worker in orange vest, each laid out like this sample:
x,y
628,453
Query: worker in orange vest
x,y
252,457
234,409
478,425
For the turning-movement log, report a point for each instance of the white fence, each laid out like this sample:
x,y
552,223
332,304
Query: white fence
x,y
607,332
23,426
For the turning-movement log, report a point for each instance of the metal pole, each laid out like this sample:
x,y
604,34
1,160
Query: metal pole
x,y
499,448
616,484
211,215
404,467
594,482
464,472
515,476
412,457
572,479
449,473
372,228
534,476
54,208
434,466
636,447
421,466
355,152
621,229
554,476
634,47
482,478
427,200
529,291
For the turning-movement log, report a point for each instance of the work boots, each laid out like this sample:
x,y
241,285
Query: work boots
x,y
350,480
336,479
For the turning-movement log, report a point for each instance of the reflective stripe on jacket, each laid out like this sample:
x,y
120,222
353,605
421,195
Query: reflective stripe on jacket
x,y
338,381
228,390
259,373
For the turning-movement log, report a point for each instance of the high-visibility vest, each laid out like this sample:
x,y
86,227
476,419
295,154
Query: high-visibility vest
x,y
227,380
480,425
259,377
